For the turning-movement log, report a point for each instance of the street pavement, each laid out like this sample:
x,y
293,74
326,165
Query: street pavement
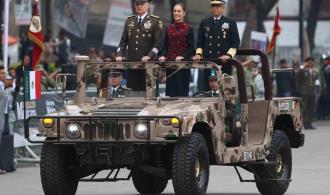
x,y
311,174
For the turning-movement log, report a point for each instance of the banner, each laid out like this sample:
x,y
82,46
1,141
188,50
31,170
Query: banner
x,y
259,41
72,15
23,12
119,11
36,37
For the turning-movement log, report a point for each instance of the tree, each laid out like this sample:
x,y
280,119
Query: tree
x,y
312,22
257,13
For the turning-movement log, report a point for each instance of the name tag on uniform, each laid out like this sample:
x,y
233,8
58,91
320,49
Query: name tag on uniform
x,y
225,25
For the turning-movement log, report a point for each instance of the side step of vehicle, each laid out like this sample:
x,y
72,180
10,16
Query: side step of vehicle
x,y
257,180
109,178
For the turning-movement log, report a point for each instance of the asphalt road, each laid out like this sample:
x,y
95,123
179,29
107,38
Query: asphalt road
x,y
311,175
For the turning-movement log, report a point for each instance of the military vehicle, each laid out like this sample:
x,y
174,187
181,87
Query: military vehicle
x,y
158,138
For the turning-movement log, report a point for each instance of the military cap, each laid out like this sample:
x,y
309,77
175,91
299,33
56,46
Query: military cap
x,y
213,75
115,73
217,2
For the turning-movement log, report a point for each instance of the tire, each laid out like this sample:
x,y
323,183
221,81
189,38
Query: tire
x,y
56,176
280,152
190,166
146,183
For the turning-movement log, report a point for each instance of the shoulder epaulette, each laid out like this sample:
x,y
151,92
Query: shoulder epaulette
x,y
131,16
155,16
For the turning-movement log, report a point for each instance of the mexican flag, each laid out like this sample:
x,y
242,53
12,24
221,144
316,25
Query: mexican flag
x,y
36,37
32,85
293,104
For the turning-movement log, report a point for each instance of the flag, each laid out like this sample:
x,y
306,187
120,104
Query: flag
x,y
32,85
293,104
276,31
36,36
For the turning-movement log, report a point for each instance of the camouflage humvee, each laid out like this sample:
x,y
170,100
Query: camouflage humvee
x,y
158,138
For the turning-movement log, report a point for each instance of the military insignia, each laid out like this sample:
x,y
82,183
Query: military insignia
x,y
225,25
36,26
147,25
131,24
207,28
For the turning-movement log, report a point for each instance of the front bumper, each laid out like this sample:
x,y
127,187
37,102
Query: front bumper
x,y
99,129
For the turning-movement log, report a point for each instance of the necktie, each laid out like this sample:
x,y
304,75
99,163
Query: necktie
x,y
214,94
113,93
216,21
140,21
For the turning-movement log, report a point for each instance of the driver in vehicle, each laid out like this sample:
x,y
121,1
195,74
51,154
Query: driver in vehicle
x,y
213,85
114,83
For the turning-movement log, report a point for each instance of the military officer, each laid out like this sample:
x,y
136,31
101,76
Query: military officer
x,y
142,38
217,37
306,78
115,87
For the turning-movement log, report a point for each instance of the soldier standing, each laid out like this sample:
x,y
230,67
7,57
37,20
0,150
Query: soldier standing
x,y
306,78
217,37
142,37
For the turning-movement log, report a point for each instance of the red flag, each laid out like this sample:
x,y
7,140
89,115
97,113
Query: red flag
x,y
36,36
276,31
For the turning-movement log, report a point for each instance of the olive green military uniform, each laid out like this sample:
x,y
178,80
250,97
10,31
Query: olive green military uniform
x,y
140,39
306,89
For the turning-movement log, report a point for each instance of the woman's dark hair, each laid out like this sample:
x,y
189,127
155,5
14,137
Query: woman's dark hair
x,y
181,5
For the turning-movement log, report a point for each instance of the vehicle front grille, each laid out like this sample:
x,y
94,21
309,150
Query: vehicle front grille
x,y
117,112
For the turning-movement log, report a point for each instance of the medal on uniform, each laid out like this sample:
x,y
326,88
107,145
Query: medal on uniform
x,y
131,24
225,25
147,25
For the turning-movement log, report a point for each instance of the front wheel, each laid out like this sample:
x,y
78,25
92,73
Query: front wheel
x,y
275,179
56,171
190,166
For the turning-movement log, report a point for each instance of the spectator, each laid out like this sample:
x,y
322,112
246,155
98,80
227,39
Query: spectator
x,y
47,80
48,54
63,45
259,83
323,106
284,80
92,54
306,78
4,105
178,45
10,91
12,73
27,66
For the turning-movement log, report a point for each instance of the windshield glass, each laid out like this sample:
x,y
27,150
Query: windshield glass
x,y
163,81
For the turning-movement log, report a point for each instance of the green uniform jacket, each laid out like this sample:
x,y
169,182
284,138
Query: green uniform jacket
x,y
143,39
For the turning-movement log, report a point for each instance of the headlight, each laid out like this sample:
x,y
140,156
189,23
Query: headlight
x,y
141,130
175,122
48,122
73,131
